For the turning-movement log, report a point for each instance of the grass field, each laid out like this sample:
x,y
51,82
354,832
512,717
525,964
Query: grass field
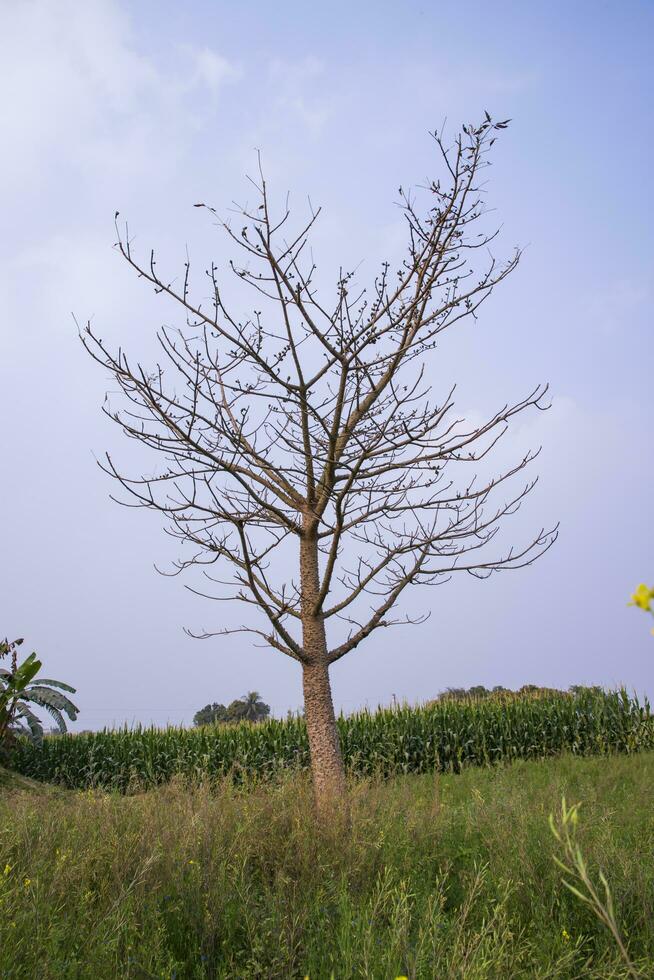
x,y
442,876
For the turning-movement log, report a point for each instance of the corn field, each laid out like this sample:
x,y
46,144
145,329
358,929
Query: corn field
x,y
443,736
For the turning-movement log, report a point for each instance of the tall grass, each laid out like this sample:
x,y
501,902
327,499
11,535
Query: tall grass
x,y
444,736
441,876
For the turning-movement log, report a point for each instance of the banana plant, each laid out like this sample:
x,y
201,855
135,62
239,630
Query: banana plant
x,y
20,689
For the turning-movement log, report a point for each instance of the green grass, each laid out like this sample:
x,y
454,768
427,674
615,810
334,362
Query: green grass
x,y
442,876
10,780
445,736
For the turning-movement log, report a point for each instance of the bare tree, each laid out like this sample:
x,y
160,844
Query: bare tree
x,y
307,429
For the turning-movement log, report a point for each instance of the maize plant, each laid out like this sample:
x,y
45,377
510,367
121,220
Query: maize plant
x,y
442,736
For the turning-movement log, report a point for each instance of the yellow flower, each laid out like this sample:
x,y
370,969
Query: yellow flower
x,y
565,934
642,597
7,869
27,882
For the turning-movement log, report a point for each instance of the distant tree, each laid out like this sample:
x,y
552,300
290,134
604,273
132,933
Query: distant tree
x,y
250,707
301,447
460,693
210,714
453,694
479,691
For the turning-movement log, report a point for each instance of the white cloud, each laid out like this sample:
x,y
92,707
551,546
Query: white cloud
x,y
295,85
82,95
211,69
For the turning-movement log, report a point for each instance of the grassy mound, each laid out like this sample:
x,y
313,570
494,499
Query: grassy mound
x,y
442,876
13,781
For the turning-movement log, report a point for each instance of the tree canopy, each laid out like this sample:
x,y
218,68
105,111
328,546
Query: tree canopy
x,y
250,707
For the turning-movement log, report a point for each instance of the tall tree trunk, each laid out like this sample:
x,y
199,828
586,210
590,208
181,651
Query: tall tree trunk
x,y
326,758
324,744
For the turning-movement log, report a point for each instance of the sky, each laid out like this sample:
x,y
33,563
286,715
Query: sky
x,y
152,107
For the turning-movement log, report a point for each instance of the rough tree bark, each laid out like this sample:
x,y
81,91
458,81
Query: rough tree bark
x,y
306,424
324,745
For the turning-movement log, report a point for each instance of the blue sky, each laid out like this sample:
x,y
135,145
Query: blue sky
x,y
148,108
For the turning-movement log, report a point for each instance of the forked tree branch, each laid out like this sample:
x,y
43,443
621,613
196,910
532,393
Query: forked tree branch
x,y
311,420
